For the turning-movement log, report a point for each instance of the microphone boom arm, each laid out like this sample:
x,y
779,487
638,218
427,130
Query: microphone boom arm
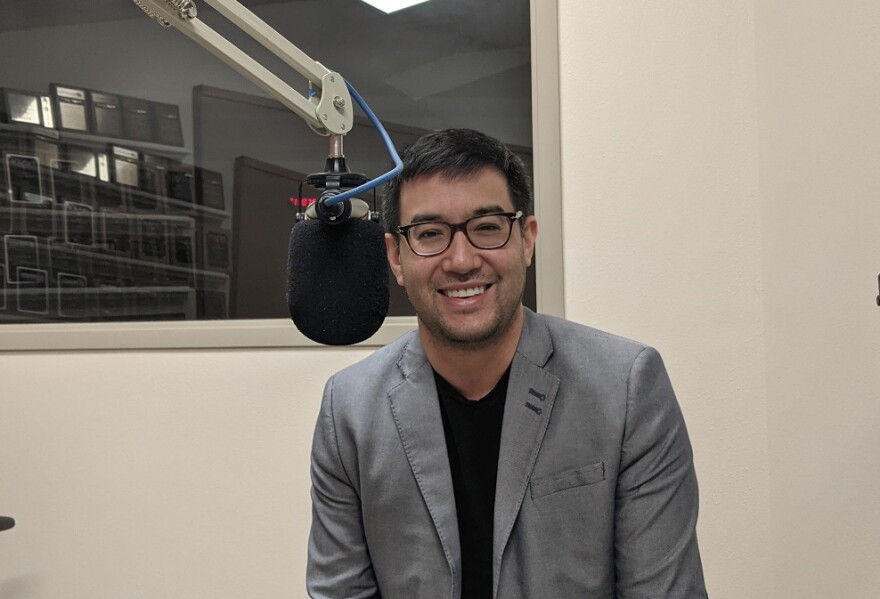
x,y
330,110
332,113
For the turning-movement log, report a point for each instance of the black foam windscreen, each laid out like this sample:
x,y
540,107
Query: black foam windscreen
x,y
338,280
6,523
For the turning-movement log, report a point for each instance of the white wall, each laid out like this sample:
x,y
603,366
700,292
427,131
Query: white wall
x,y
158,474
819,93
663,237
721,199
720,193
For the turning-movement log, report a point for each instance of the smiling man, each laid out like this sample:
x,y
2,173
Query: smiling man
x,y
495,452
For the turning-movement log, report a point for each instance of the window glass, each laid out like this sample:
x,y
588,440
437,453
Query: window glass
x,y
143,179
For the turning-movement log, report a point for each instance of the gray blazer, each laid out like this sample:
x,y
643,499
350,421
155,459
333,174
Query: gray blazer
x,y
596,493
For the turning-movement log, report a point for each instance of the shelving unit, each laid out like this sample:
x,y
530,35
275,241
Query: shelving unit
x,y
81,242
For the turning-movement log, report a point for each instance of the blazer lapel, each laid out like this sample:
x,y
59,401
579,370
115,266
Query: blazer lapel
x,y
531,392
416,411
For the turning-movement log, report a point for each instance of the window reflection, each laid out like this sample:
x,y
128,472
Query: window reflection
x,y
142,179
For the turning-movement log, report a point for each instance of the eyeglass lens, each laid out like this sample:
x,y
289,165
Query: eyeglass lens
x,y
485,232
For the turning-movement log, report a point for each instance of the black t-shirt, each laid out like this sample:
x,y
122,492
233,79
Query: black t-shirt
x,y
473,439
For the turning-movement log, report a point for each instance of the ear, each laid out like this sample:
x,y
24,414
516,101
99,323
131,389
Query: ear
x,y
530,233
392,250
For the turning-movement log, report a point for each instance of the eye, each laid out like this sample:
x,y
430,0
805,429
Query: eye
x,y
425,232
487,225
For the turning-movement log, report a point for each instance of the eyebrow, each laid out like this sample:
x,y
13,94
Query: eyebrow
x,y
429,218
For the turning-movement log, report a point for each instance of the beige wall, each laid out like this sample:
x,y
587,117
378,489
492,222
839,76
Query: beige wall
x,y
721,200
818,99
721,203
158,474
663,237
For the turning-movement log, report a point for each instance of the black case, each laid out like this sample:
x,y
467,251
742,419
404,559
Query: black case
x,y
215,251
166,124
209,189
71,105
181,182
137,119
106,114
17,106
125,167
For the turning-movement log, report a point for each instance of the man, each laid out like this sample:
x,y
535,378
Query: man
x,y
495,452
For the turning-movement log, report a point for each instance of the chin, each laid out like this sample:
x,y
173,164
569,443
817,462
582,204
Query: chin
x,y
481,335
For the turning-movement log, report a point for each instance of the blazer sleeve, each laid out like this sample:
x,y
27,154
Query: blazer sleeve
x,y
656,552
338,558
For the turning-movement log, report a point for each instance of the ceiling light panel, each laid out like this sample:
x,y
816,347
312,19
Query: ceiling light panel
x,y
390,6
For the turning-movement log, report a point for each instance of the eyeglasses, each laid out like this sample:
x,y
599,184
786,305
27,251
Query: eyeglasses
x,y
485,232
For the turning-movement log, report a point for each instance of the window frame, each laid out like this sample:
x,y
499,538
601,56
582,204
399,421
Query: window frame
x,y
280,333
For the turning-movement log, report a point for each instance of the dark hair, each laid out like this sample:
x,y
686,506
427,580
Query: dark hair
x,y
454,153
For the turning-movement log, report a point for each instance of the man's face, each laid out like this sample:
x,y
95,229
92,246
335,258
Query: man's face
x,y
465,296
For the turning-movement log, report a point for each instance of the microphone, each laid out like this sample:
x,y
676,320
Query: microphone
x,y
337,290
6,523
338,280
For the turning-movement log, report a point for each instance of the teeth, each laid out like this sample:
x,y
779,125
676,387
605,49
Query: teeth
x,y
469,292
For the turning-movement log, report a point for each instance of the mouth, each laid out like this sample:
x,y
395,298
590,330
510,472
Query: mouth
x,y
465,292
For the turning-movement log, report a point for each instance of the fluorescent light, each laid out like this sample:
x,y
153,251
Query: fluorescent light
x,y
390,6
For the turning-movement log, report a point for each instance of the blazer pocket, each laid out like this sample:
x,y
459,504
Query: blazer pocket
x,y
587,475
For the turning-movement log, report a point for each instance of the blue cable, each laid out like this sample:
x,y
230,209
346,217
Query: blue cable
x,y
398,165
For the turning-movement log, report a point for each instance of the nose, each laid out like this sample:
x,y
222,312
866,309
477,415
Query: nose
x,y
461,257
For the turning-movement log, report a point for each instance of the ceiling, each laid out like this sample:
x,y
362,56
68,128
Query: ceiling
x,y
441,57
500,22
450,43
27,14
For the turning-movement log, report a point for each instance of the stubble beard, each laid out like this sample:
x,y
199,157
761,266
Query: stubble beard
x,y
446,334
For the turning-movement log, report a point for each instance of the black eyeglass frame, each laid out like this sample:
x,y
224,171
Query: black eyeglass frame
x,y
462,226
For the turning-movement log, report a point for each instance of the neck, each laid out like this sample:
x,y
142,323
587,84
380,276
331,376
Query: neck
x,y
473,369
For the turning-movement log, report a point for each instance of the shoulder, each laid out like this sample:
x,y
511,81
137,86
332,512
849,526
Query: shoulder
x,y
376,374
562,328
590,358
386,358
582,342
